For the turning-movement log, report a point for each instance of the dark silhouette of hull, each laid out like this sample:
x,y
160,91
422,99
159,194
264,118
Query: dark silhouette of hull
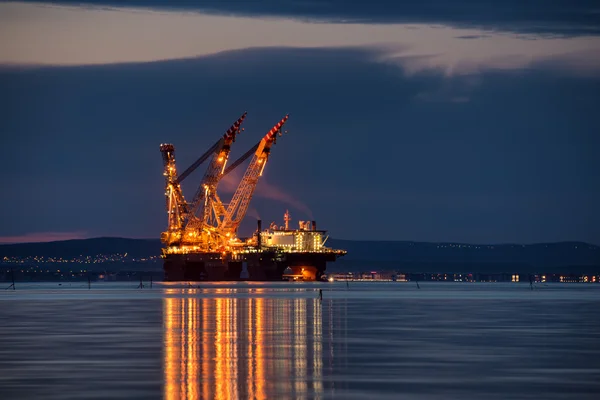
x,y
264,266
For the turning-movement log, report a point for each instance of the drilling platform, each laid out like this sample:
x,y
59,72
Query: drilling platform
x,y
201,242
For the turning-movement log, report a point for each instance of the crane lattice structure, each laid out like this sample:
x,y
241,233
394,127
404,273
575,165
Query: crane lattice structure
x,y
205,224
177,209
206,198
236,211
206,207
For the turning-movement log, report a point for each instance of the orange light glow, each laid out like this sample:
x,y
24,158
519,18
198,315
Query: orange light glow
x,y
171,392
224,347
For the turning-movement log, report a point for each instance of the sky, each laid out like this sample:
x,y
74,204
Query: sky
x,y
458,120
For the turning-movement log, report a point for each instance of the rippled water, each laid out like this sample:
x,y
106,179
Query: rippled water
x,y
278,341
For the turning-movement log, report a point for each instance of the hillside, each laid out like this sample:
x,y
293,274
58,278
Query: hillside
x,y
84,247
546,254
359,252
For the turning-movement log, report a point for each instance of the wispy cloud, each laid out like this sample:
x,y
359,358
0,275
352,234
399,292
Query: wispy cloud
x,y
269,191
264,189
561,16
253,212
42,237
34,35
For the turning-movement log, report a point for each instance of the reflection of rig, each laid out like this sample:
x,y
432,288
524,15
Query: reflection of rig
x,y
253,348
201,241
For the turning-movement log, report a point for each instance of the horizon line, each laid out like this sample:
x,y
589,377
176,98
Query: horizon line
x,y
12,243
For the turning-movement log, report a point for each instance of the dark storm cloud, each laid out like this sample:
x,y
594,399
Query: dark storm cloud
x,y
496,157
557,16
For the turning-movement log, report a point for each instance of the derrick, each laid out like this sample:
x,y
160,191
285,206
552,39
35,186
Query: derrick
x,y
182,215
201,238
175,203
205,202
238,206
205,224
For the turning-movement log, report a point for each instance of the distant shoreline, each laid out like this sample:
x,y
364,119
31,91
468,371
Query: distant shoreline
x,y
121,257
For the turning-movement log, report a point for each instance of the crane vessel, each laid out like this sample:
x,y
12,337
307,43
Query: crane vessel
x,y
201,241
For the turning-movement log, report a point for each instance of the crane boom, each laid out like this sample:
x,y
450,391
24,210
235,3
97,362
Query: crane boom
x,y
213,174
181,215
198,162
241,199
235,127
240,160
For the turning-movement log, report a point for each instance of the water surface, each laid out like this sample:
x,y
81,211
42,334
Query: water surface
x,y
278,341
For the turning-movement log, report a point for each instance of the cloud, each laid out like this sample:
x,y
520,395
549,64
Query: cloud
x,y
268,191
34,35
253,212
561,16
43,237
264,189
358,142
473,37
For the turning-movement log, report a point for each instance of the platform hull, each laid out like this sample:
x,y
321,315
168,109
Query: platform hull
x,y
265,266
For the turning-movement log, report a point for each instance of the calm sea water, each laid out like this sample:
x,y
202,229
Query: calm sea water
x,y
279,341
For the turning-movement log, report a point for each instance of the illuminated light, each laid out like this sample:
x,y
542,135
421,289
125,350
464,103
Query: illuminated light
x,y
262,169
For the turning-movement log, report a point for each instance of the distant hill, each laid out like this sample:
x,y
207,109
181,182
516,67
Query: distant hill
x,y
84,247
376,253
546,254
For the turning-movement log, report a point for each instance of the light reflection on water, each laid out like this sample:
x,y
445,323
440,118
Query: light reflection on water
x,y
278,341
242,348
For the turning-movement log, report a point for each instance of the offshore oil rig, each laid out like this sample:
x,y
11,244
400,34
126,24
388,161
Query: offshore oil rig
x,y
201,240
